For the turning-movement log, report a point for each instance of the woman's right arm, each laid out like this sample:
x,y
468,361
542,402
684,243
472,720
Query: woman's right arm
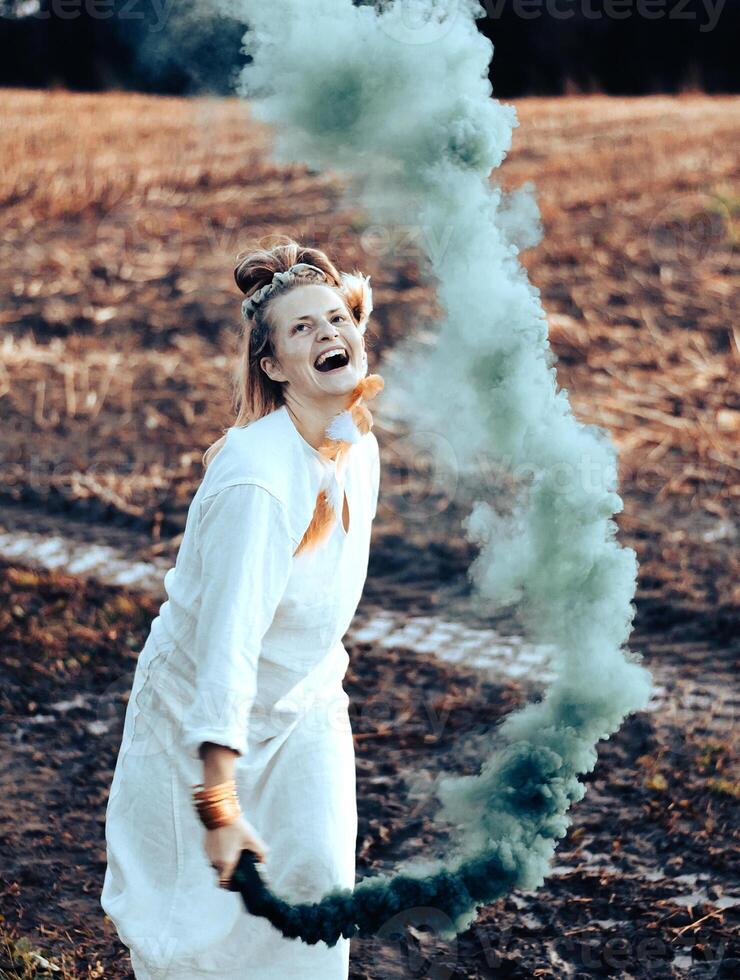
x,y
224,845
246,555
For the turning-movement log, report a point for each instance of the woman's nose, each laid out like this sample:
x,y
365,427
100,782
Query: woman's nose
x,y
328,330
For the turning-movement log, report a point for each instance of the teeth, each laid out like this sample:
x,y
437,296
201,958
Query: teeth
x,y
327,353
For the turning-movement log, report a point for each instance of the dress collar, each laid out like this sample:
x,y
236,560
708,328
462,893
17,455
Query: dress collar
x,y
305,445
330,461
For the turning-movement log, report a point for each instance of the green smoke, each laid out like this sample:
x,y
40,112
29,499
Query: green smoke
x,y
396,96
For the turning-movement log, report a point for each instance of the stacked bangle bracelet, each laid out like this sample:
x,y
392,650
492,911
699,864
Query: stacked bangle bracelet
x,y
218,805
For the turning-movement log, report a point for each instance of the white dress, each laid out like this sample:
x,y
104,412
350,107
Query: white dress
x,y
246,651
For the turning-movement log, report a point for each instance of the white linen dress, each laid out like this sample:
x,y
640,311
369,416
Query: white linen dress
x,y
246,651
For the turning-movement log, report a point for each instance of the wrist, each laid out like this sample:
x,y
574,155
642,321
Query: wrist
x,y
218,763
217,806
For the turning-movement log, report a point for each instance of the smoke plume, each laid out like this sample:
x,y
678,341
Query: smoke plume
x,y
396,96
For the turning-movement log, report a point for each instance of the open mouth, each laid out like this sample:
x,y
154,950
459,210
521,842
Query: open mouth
x,y
333,360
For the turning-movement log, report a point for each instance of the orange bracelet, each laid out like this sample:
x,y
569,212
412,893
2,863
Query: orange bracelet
x,y
217,805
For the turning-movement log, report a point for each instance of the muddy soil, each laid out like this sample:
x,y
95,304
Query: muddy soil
x,y
642,884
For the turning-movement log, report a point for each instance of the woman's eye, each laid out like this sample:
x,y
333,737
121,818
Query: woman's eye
x,y
341,316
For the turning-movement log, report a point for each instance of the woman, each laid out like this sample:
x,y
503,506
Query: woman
x,y
237,732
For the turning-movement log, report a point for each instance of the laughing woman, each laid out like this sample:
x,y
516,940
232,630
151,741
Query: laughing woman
x,y
237,732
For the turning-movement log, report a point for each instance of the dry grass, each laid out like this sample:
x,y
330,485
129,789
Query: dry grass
x,y
124,214
21,960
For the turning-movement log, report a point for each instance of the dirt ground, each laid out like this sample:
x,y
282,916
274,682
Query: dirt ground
x,y
119,322
657,823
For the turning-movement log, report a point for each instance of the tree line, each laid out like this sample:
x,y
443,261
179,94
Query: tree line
x,y
541,47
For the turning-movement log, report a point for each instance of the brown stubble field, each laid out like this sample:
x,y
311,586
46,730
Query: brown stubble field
x,y
119,328
122,217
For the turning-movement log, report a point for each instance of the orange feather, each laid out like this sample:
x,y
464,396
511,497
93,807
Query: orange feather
x,y
324,516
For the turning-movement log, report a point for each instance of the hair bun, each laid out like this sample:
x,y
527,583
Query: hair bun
x,y
258,269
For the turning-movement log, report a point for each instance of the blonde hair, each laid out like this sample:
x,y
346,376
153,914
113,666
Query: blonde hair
x,y
255,393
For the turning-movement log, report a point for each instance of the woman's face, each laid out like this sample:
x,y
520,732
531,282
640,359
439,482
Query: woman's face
x,y
308,321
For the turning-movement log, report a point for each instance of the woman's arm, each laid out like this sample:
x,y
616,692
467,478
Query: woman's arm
x,y
246,553
218,763
223,845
